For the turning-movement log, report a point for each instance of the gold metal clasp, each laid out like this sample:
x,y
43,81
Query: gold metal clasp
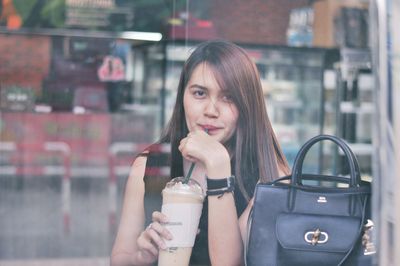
x,y
314,237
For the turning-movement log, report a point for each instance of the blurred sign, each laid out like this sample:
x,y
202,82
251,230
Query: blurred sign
x,y
91,3
300,31
97,14
17,99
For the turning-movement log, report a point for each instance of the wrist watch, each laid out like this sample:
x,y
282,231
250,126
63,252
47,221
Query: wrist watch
x,y
220,186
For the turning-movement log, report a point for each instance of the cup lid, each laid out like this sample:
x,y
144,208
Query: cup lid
x,y
190,186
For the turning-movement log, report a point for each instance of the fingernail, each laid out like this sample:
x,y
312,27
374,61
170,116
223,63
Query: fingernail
x,y
163,246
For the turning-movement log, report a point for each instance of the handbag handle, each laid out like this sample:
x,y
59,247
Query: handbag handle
x,y
355,179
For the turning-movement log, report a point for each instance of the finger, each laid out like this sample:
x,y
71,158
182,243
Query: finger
x,y
192,133
144,243
156,238
186,147
182,144
183,141
200,132
185,153
190,158
180,147
159,217
162,231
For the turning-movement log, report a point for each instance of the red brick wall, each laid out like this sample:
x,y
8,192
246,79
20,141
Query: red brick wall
x,y
253,21
24,60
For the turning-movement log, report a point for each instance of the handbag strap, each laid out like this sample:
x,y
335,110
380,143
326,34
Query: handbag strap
x,y
355,178
359,232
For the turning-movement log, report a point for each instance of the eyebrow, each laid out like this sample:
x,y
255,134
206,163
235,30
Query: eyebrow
x,y
198,86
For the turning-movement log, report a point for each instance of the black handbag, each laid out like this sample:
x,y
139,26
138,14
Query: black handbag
x,y
292,223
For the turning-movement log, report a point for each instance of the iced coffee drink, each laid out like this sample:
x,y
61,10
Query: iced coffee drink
x,y
182,204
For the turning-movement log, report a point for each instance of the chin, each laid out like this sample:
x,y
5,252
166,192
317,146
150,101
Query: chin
x,y
223,140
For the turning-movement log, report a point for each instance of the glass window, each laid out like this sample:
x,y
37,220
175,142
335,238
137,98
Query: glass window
x,y
86,85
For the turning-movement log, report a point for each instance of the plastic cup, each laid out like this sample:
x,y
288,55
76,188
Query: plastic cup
x,y
182,204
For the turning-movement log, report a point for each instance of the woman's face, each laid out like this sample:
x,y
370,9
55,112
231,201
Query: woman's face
x,y
207,107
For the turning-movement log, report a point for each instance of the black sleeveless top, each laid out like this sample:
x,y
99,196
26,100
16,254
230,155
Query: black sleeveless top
x,y
155,179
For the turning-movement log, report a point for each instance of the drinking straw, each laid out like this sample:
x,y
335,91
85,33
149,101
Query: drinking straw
x,y
187,177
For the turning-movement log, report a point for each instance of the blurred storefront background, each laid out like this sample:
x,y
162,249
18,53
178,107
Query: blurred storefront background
x,y
85,85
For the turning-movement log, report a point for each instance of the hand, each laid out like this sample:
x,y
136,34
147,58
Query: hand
x,y
198,146
152,238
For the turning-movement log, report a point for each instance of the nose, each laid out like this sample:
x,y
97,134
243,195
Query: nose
x,y
211,109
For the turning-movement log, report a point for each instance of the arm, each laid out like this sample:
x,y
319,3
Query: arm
x,y
244,219
225,242
224,238
134,244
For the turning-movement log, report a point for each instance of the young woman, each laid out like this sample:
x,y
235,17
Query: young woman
x,y
219,122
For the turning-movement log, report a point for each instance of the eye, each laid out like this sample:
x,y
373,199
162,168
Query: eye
x,y
227,98
199,93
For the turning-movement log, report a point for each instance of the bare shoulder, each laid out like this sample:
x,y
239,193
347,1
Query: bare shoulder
x,y
139,164
137,170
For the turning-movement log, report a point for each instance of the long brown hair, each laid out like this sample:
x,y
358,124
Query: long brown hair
x,y
256,152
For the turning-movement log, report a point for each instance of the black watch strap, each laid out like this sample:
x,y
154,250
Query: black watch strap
x,y
220,183
220,186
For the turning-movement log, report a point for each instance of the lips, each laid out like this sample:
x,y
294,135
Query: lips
x,y
210,128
